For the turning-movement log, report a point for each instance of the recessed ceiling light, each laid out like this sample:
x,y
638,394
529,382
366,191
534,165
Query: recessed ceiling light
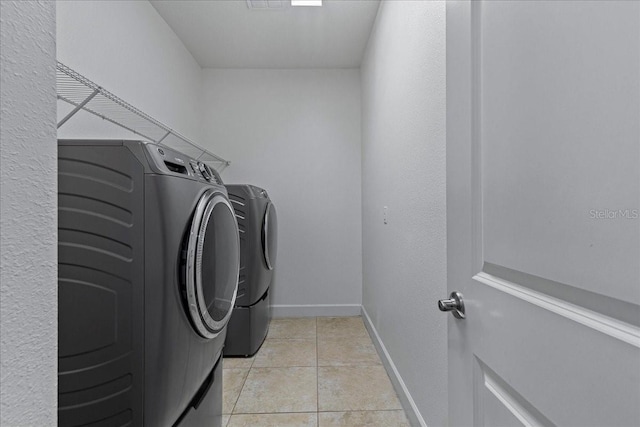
x,y
306,2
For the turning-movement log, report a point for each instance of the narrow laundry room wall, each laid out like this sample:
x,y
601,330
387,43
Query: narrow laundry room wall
x,y
126,47
28,215
297,134
403,168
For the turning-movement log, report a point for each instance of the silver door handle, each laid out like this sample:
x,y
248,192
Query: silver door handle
x,y
454,304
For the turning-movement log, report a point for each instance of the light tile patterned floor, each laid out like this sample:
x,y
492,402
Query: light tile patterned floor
x,y
311,372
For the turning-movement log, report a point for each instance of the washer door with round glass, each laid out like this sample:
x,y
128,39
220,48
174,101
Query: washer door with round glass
x,y
213,262
270,236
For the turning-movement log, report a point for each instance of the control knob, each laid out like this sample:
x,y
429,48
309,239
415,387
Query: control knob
x,y
205,171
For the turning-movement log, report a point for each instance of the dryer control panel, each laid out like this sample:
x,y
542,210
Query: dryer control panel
x,y
173,162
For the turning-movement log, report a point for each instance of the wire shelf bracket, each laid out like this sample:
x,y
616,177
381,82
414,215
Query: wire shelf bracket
x,y
83,94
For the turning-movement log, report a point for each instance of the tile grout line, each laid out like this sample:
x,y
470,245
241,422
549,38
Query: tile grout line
x,y
324,412
242,387
311,412
238,398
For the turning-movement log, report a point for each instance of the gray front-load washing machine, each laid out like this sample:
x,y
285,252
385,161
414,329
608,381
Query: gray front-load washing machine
x,y
258,226
148,272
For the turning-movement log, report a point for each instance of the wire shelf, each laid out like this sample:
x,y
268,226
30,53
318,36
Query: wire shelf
x,y
83,94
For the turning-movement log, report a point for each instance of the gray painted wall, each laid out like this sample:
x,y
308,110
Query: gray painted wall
x,y
28,215
297,134
126,47
403,168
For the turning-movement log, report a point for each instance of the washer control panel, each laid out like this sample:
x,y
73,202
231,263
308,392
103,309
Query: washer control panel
x,y
174,162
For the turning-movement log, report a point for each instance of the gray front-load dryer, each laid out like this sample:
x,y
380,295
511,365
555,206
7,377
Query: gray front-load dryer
x,y
148,271
258,226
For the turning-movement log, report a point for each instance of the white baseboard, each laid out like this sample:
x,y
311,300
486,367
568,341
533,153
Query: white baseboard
x,y
315,310
409,405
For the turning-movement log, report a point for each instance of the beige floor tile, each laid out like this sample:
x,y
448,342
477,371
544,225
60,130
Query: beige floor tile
x,y
237,362
280,353
225,420
269,390
338,327
274,420
346,351
363,419
353,388
232,381
293,328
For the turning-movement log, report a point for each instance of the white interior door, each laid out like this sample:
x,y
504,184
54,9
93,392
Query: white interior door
x,y
543,177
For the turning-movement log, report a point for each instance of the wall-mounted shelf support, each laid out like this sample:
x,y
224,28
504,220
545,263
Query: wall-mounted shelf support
x,y
78,108
83,94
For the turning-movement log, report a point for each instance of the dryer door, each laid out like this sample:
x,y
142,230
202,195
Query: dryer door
x,y
270,236
213,262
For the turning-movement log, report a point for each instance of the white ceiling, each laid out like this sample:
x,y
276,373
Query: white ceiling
x,y
228,34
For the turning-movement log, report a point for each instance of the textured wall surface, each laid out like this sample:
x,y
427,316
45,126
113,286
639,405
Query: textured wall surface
x,y
403,168
297,134
129,49
28,219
